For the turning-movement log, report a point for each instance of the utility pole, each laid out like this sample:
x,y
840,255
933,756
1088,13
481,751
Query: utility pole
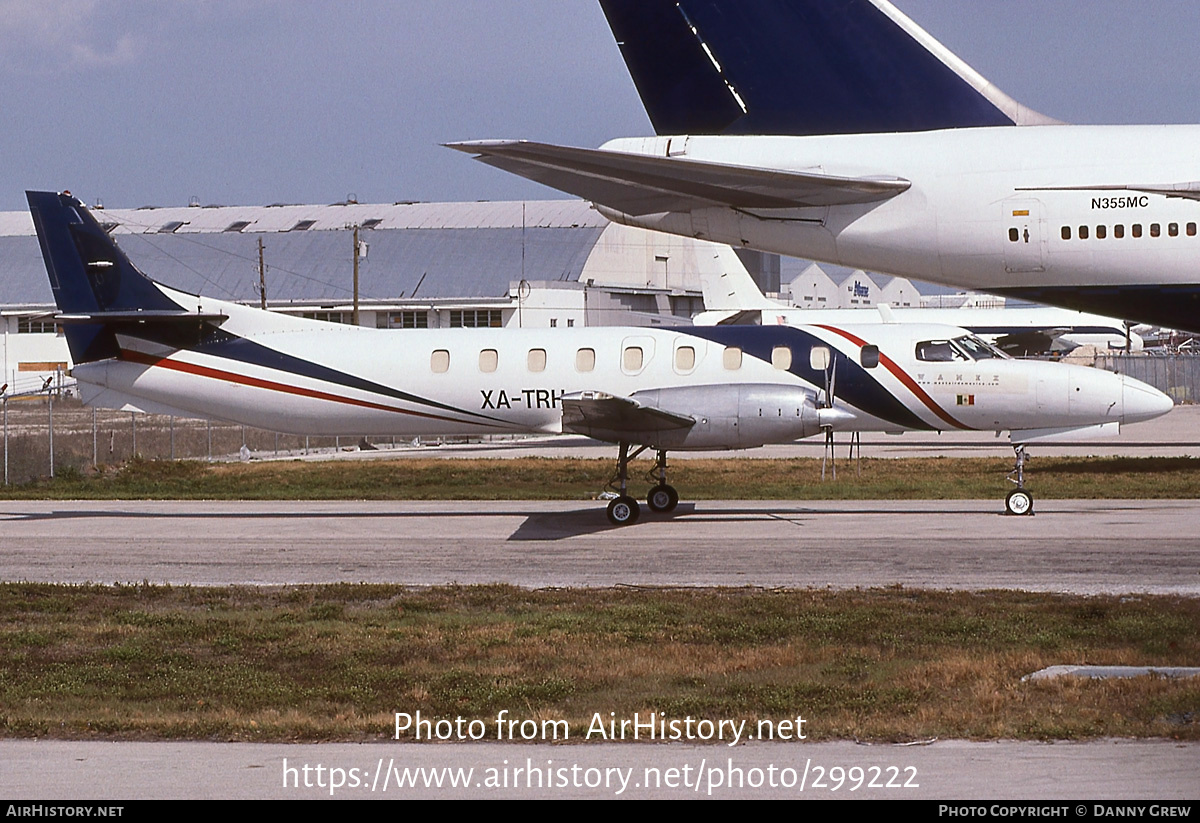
x,y
354,316
262,278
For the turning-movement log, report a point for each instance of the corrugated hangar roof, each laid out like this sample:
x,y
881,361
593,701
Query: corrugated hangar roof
x,y
422,250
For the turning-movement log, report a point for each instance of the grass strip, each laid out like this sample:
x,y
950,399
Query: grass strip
x,y
938,478
336,662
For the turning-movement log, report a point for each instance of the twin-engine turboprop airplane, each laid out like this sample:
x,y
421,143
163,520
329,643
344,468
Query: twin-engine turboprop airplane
x,y
136,342
840,131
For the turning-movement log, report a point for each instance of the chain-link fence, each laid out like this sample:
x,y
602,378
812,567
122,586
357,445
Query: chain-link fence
x,y
47,435
1176,374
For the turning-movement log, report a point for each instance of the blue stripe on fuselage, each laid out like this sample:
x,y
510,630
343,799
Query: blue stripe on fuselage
x,y
854,384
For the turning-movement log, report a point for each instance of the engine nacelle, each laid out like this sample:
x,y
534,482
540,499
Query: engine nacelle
x,y
738,416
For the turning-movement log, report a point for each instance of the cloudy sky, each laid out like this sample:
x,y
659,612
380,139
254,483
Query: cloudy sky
x,y
143,102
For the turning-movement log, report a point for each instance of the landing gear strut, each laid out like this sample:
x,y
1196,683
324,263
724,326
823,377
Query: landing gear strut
x,y
624,510
1019,501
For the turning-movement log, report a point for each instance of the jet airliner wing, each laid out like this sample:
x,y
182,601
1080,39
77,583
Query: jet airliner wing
x,y
643,184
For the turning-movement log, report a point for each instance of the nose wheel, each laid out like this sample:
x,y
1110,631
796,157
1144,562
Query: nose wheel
x,y
1018,502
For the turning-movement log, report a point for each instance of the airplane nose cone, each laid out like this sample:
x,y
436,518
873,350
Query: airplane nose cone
x,y
1142,402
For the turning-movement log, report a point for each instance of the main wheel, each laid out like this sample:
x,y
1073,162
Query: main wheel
x,y
662,498
1019,502
623,511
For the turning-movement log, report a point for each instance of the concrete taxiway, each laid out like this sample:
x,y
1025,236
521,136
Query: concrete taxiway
x,y
1076,546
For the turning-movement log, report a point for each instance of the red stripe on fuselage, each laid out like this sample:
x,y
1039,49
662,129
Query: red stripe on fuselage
x,y
259,383
902,376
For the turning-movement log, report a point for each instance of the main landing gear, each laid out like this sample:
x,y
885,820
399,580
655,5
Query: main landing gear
x,y
624,510
1019,501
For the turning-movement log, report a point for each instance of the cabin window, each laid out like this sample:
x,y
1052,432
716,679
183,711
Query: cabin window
x,y
1119,231
781,358
585,360
488,359
1014,235
1066,232
1083,232
819,358
685,358
537,360
1101,232
632,359
1137,229
1191,229
439,361
1173,229
1155,230
732,358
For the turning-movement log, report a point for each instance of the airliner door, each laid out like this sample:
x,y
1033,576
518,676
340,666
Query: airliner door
x,y
1024,236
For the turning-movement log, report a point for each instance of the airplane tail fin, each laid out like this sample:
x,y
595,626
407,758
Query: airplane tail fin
x,y
95,285
799,67
727,285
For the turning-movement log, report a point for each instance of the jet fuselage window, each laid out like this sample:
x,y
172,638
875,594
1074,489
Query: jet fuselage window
x,y
1137,229
1083,232
585,360
1155,230
732,358
1014,235
1119,231
488,360
537,360
1191,229
1173,229
1101,232
439,361
1066,232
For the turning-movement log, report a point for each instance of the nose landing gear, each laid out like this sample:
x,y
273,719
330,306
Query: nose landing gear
x,y
1019,501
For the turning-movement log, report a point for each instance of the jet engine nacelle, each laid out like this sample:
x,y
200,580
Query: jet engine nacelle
x,y
738,416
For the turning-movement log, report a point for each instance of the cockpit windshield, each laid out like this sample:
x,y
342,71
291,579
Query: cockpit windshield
x,y
979,350
960,349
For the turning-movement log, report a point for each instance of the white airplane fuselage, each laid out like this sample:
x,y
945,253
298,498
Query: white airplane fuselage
x,y
973,191
308,377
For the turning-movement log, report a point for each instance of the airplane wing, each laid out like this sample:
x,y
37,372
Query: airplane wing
x,y
643,184
602,416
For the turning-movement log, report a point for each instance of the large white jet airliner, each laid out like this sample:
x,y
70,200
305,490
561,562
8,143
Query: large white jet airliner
x,y
137,343
840,131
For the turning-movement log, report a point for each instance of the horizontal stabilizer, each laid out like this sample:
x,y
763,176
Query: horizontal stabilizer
x,y
641,184
597,414
163,316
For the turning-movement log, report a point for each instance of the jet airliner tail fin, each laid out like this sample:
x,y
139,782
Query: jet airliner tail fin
x,y
799,67
97,289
